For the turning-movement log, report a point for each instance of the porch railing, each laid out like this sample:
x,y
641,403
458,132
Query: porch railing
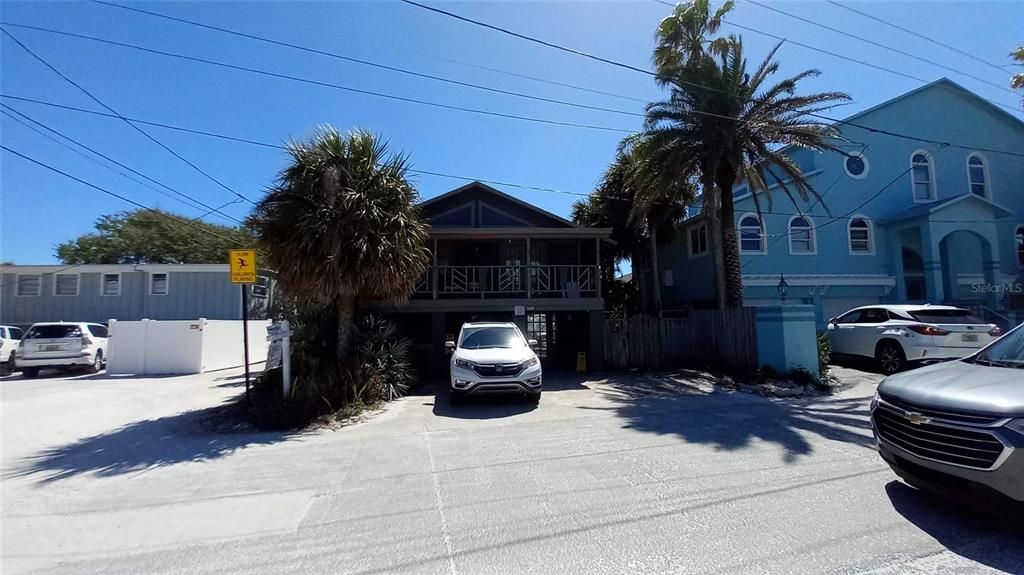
x,y
529,281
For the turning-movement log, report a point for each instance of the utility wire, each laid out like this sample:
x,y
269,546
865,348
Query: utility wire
x,y
113,111
372,64
916,35
424,172
187,199
119,196
326,84
836,55
877,44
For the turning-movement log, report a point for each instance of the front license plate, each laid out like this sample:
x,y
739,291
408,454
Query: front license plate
x,y
969,337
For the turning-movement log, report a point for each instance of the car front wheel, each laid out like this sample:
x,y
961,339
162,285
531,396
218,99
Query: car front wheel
x,y
9,366
890,357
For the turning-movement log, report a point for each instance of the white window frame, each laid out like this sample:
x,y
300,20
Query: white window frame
x,y
871,235
812,236
984,173
762,237
1018,236
78,284
864,158
167,282
689,240
103,283
17,286
933,191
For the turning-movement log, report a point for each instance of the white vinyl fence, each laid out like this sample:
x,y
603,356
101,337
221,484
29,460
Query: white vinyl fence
x,y
151,347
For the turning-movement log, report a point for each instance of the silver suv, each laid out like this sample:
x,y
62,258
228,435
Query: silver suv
x,y
957,426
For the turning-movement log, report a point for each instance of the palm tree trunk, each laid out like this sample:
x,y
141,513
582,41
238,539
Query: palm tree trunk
x,y
655,284
639,270
711,208
730,243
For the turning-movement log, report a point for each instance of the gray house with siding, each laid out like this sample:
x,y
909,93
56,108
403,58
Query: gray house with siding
x,y
99,293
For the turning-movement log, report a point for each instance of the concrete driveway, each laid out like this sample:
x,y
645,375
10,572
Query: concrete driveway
x,y
631,474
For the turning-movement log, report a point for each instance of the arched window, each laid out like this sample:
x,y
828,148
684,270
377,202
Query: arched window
x,y
801,236
1020,245
861,240
977,175
923,176
751,234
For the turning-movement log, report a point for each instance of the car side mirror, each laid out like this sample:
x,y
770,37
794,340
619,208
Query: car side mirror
x,y
449,346
531,342
832,321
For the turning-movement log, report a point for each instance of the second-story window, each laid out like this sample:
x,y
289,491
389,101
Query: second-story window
x,y
860,236
698,240
801,236
751,234
158,284
977,175
923,177
65,284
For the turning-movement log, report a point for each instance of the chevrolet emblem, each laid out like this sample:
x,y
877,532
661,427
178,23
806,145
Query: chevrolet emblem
x,y
917,418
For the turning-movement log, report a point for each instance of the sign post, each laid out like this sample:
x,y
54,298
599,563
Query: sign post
x,y
243,271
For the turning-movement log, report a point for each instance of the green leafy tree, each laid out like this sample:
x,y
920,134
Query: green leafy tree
x,y
685,36
340,226
151,237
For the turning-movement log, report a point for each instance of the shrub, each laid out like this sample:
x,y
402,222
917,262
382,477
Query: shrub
x,y
824,354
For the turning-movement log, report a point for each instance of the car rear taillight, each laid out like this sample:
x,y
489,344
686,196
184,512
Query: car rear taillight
x,y
86,341
927,330
996,331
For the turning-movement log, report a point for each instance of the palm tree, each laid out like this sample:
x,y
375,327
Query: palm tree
x,y
1017,82
722,124
610,205
684,37
340,226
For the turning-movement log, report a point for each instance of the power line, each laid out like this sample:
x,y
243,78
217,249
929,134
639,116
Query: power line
x,y
877,44
836,55
195,203
136,128
367,62
330,85
915,34
119,196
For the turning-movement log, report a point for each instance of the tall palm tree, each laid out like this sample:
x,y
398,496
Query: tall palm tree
x,y
340,225
685,36
1017,82
724,124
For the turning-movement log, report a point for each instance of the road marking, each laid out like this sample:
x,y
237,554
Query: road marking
x,y
449,549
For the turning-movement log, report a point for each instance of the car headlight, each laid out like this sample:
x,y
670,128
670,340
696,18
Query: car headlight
x,y
1017,425
464,363
530,362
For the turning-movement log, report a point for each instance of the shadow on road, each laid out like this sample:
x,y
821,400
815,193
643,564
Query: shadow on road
x,y
489,407
990,538
732,421
144,445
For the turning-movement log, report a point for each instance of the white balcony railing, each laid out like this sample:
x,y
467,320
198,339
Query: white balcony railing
x,y
509,281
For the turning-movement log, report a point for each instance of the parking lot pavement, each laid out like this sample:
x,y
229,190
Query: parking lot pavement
x,y
625,474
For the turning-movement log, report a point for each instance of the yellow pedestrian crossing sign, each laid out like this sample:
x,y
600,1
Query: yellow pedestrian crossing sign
x,y
243,266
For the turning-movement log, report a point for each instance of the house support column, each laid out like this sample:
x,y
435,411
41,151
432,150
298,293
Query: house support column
x,y
529,270
595,347
597,261
433,270
438,357
993,297
932,260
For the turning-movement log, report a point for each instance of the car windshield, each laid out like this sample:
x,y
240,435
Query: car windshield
x,y
1006,352
488,337
53,331
946,316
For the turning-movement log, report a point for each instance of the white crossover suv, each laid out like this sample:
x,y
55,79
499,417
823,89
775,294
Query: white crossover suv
x,y
9,338
493,358
898,335
63,345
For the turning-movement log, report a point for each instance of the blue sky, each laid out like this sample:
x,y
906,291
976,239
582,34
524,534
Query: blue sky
x,y
41,209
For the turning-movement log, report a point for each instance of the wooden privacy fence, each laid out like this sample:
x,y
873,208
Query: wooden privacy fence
x,y
727,338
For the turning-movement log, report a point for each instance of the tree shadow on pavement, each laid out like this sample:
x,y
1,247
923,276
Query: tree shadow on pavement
x,y
991,537
146,444
731,421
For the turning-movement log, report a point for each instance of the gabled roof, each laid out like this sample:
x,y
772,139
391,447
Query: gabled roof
x,y
477,185
940,205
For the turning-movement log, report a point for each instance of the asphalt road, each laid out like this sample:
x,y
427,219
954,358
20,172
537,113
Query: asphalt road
x,y
629,475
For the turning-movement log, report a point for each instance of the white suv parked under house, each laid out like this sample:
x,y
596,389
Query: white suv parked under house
x,y
493,358
897,335
63,345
